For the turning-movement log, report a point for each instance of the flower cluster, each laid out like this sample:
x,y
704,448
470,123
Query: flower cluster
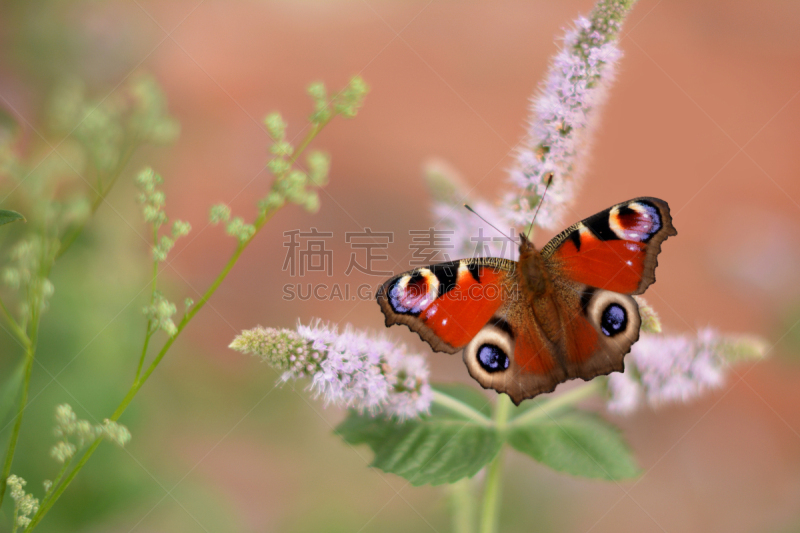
x,y
283,349
563,115
348,368
31,258
69,428
153,201
294,184
663,369
236,227
160,313
24,504
108,129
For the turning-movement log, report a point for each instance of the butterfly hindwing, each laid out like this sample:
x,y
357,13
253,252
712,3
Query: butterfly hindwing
x,y
615,249
447,303
602,327
512,355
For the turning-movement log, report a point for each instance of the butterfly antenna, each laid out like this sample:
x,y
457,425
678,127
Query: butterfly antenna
x,y
541,201
492,225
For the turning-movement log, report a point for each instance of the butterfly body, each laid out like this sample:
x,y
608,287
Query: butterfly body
x,y
561,313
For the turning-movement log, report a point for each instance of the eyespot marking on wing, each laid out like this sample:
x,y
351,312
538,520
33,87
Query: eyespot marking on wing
x,y
614,320
636,221
614,315
492,358
412,293
490,352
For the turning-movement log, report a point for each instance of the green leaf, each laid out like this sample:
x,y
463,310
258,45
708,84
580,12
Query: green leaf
x,y
7,216
433,450
464,394
579,444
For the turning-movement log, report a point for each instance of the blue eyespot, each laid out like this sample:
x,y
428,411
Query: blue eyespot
x,y
492,358
614,320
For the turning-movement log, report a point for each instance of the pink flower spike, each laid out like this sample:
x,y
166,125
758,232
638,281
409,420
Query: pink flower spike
x,y
349,369
563,116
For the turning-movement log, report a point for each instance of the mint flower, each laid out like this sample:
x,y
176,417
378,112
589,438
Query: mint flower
x,y
563,116
69,428
665,369
153,202
283,349
348,369
24,504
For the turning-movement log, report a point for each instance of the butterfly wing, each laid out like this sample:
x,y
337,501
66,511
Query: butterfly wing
x,y
581,327
512,354
615,249
447,303
593,267
476,304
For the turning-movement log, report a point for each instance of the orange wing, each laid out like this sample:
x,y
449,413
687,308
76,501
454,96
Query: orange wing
x,y
446,304
615,249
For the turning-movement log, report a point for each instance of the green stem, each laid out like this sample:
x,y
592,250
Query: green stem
x,y
262,219
546,409
462,504
491,494
23,401
315,129
448,402
15,327
57,480
147,336
34,304
149,332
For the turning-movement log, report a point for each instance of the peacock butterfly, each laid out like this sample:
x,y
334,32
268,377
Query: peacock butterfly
x,y
559,313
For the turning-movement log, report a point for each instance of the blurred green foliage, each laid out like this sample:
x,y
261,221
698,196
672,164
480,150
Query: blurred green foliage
x,y
61,150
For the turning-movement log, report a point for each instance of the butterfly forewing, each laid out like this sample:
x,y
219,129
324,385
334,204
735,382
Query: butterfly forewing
x,y
615,249
447,303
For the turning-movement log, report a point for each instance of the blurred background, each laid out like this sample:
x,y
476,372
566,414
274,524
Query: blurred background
x,y
705,114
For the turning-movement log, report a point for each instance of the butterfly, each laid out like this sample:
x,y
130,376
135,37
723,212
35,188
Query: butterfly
x,y
563,312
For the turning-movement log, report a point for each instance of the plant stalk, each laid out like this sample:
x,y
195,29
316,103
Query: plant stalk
x,y
15,327
462,504
23,401
567,399
450,403
493,488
